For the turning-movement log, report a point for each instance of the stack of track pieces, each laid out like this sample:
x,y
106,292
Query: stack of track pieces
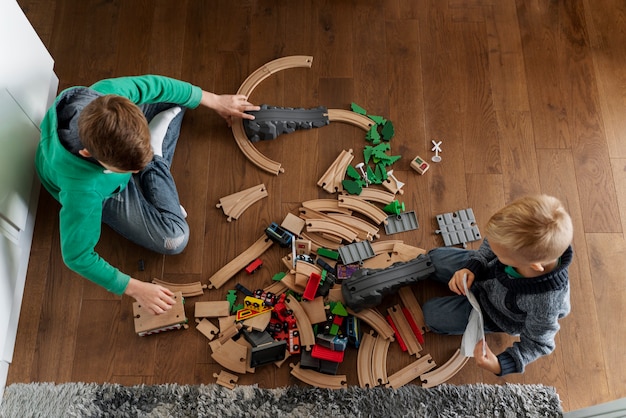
x,y
147,323
235,204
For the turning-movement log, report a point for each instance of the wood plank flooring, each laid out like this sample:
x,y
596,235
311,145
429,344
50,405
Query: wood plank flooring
x,y
527,96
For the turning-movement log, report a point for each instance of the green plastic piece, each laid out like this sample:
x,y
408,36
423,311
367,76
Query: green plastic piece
x,y
387,160
325,252
334,329
279,276
372,135
231,297
388,131
380,172
236,308
324,273
339,309
394,207
352,187
372,177
378,119
368,151
358,109
352,173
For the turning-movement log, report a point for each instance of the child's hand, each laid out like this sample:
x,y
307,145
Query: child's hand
x,y
488,360
229,106
156,298
456,282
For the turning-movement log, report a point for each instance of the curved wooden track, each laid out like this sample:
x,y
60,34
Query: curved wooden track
x,y
379,360
365,230
307,338
331,227
187,289
235,204
411,372
359,205
325,205
376,321
246,88
385,246
348,116
376,195
318,379
445,372
364,361
231,356
334,175
240,262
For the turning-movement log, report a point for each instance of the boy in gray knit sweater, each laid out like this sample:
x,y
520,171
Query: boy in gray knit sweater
x,y
519,277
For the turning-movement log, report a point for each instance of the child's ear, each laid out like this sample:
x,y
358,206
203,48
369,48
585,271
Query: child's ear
x,y
537,267
84,153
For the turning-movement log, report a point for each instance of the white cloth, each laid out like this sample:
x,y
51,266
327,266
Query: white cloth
x,y
475,330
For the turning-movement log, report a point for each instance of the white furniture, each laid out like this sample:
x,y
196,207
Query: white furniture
x,y
28,86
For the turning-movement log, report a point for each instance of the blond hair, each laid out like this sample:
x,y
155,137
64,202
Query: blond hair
x,y
536,228
115,132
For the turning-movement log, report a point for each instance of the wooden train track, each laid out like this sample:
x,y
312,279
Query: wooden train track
x,y
359,205
376,195
350,117
187,289
331,227
334,175
231,356
405,331
246,88
235,204
374,320
410,302
240,262
444,373
365,360
307,338
365,230
325,206
318,379
379,360
411,372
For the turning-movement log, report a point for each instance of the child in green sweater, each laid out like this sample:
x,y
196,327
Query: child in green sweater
x,y
93,142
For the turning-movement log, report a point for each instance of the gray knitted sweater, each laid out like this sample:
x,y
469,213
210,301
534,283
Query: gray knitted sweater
x,y
526,307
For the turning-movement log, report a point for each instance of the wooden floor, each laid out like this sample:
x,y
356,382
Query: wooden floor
x,y
527,96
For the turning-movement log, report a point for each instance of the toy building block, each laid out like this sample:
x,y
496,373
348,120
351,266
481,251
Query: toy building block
x,y
356,252
303,246
293,224
270,121
264,348
332,342
458,227
212,309
235,204
147,323
367,287
325,252
402,222
254,266
419,165
311,286
323,353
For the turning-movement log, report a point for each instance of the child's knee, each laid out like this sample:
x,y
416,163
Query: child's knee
x,y
176,243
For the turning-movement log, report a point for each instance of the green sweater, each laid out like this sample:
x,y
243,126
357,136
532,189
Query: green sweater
x,y
82,186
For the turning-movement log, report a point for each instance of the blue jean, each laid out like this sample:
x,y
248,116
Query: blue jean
x,y
449,314
147,212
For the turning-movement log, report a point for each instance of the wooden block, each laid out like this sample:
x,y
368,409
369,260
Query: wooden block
x,y
212,309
